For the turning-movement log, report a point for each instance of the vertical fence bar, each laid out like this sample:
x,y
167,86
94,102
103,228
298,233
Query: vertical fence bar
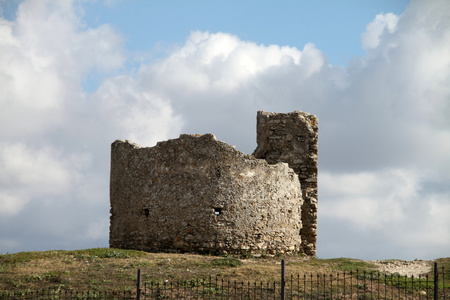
x,y
324,286
351,284
331,286
304,287
203,289
262,291
274,290
436,281
292,286
344,283
406,285
443,281
378,285
283,279
337,285
358,286
318,286
254,291
164,293
364,284
420,285
210,287
138,285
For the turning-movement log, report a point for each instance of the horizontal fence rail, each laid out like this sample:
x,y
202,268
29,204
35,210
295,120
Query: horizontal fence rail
x,y
66,294
346,285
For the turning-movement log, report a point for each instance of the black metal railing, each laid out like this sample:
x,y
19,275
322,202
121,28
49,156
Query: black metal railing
x,y
346,285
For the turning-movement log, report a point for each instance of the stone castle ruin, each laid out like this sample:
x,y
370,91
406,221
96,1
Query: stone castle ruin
x,y
198,194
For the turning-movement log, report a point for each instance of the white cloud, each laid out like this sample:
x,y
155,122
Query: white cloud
x,y
381,215
369,199
44,56
31,173
224,63
223,75
383,23
40,169
137,113
439,222
11,203
54,137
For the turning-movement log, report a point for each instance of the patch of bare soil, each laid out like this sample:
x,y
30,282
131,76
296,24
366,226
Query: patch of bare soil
x,y
404,267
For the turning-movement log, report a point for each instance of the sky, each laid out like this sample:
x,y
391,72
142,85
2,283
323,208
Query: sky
x,y
77,75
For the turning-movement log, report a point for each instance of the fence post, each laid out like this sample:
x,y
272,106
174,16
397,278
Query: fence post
x,y
436,281
283,279
138,287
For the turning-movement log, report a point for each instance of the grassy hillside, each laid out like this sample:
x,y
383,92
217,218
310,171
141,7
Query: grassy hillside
x,y
107,269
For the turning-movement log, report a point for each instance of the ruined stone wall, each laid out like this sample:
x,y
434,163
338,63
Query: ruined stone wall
x,y
293,138
195,193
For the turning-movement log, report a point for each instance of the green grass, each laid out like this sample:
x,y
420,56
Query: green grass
x,y
105,253
342,264
226,262
90,254
444,264
116,269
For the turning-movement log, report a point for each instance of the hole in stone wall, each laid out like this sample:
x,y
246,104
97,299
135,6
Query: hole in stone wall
x,y
218,172
146,212
217,211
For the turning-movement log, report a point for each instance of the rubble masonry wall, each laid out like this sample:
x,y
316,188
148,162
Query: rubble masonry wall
x,y
195,193
293,138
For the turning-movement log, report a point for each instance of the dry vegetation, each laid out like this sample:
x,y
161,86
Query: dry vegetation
x,y
108,269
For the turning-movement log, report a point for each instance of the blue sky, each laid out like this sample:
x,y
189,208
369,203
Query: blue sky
x,y
333,26
77,75
153,28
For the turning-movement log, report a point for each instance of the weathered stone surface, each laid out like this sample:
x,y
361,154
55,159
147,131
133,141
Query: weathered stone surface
x,y
293,138
195,193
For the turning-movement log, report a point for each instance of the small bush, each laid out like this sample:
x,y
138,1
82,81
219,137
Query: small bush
x,y
226,262
246,255
115,254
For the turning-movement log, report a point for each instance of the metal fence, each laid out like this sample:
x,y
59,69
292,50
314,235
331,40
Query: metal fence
x,y
352,285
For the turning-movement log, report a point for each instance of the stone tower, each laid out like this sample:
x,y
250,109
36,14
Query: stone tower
x,y
293,138
196,194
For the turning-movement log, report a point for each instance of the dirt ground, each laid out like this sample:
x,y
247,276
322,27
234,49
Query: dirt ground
x,y
404,267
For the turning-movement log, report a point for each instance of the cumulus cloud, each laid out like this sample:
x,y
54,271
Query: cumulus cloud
x,y
28,173
136,112
230,79
393,145
384,123
375,29
373,200
54,136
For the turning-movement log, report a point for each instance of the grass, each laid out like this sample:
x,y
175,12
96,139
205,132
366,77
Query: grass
x,y
116,269
226,262
343,264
